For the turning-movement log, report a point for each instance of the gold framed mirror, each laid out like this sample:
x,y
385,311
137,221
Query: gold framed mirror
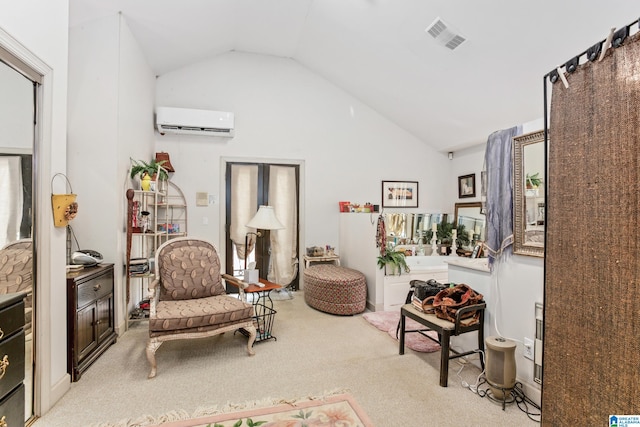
x,y
529,194
471,215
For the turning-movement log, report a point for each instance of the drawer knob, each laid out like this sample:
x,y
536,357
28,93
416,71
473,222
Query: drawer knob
x,y
4,364
97,287
3,421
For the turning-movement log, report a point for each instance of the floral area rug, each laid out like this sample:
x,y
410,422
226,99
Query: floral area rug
x,y
333,410
387,321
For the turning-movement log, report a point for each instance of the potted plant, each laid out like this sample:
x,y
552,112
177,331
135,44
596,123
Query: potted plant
x,y
395,260
533,181
148,171
462,236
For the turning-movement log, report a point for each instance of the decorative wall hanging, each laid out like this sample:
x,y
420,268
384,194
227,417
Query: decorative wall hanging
x,y
467,186
64,205
399,194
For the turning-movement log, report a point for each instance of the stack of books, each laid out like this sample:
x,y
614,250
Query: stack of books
x,y
416,302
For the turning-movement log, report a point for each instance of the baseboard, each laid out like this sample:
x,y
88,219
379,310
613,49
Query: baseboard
x,y
121,328
533,392
374,307
59,389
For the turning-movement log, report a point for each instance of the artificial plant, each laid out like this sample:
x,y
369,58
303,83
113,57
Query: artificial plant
x,y
533,180
142,168
395,259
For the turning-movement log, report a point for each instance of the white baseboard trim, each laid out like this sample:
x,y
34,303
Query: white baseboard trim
x,y
121,328
533,392
59,389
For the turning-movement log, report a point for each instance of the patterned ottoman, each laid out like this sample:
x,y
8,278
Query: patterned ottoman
x,y
335,290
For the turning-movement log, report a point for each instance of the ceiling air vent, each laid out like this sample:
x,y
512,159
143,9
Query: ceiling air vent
x,y
445,34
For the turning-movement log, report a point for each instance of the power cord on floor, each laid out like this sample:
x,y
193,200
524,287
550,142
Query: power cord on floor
x,y
518,396
524,402
463,362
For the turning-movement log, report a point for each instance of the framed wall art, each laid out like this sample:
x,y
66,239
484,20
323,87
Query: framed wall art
x,y
467,186
399,194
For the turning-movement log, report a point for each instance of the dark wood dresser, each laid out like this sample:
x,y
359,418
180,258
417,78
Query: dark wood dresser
x,y
90,321
12,359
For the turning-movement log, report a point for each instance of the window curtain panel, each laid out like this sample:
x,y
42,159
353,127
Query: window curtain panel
x,y
244,205
592,272
499,199
11,206
282,196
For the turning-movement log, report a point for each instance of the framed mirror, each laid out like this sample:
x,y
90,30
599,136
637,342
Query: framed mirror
x,y
472,217
529,194
409,228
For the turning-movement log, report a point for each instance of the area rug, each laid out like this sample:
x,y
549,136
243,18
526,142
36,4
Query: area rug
x,y
387,321
333,410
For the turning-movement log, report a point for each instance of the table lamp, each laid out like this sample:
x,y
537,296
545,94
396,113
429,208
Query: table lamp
x,y
264,219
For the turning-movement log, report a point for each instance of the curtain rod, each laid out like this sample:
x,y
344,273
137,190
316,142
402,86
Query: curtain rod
x,y
616,38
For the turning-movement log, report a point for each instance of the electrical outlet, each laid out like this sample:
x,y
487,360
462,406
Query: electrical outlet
x,y
528,349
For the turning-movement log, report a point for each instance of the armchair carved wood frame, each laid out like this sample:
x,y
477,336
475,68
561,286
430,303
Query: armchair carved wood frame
x,y
188,299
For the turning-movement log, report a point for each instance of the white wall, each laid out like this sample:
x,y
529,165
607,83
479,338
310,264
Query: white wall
x,y
517,282
285,112
41,28
111,94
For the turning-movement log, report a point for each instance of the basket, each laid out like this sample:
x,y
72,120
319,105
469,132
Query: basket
x,y
64,206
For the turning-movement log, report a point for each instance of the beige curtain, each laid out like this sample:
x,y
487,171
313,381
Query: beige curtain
x,y
283,197
11,208
244,205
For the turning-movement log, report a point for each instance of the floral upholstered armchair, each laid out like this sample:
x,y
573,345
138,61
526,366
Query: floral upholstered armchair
x,y
16,273
188,299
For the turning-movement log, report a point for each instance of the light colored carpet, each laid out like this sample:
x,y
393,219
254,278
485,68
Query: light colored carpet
x,y
315,353
387,321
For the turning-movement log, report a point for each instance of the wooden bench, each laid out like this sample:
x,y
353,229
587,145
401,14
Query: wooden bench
x,y
445,330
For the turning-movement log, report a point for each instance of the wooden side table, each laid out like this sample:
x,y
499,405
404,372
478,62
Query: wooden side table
x,y
325,258
263,308
90,316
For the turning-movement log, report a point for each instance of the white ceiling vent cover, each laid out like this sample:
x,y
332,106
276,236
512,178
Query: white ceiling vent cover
x,y
445,34
194,122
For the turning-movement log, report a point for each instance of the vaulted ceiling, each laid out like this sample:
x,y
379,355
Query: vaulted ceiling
x,y
379,51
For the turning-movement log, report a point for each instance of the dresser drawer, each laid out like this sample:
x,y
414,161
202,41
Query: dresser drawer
x,y
12,407
11,319
94,289
11,362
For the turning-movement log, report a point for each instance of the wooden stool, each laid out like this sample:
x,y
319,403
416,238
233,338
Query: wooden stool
x,y
445,330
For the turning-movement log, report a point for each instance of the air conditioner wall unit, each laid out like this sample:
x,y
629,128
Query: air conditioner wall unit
x,y
194,122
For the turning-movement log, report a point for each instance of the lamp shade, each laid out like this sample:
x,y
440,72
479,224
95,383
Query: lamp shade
x,y
265,219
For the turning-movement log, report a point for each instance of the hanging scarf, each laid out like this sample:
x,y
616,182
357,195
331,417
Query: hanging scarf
x,y
499,204
381,236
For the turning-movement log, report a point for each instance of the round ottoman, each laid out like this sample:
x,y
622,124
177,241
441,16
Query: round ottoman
x,y
335,290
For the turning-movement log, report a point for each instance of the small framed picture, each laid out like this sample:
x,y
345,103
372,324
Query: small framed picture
x,y
467,186
399,194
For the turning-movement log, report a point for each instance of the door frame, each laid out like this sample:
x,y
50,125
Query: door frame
x,y
44,394
222,250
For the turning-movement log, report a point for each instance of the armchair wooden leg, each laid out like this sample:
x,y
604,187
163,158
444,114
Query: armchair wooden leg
x,y
152,347
252,338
